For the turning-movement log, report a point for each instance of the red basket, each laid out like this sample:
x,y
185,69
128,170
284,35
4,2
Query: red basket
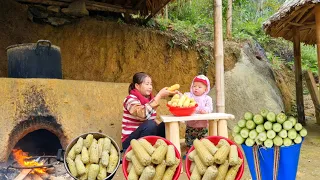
x,y
215,140
152,140
185,111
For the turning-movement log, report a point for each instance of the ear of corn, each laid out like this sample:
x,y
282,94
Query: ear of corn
x,y
192,104
137,165
94,156
191,155
102,172
140,153
210,146
129,166
147,146
222,170
105,158
113,162
211,173
81,169
222,142
113,150
148,173
222,154
193,164
72,154
199,164
195,175
87,142
160,169
129,155
94,141
159,142
233,155
93,171
186,103
171,156
181,100
100,146
203,153
72,167
168,174
173,87
232,172
78,146
133,175
84,155
85,175
159,154
107,144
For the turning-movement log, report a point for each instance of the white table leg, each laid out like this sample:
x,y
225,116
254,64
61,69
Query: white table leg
x,y
172,134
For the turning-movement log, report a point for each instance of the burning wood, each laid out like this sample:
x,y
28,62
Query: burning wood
x,y
22,159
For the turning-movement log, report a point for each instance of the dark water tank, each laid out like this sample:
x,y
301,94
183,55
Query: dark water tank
x,y
34,60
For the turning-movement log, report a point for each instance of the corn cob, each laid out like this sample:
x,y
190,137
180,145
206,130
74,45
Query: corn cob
x,y
168,174
107,144
210,146
148,173
171,156
232,172
100,146
129,155
137,165
199,164
93,171
94,141
159,142
159,154
72,167
129,166
113,162
102,172
85,175
222,170
203,152
211,173
78,146
174,87
233,155
113,150
181,100
81,169
186,103
87,142
94,156
176,96
222,154
133,175
222,142
195,175
192,104
141,154
147,146
192,154
160,169
72,154
193,164
84,155
105,158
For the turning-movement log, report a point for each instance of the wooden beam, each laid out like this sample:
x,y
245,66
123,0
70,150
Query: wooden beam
x,y
154,12
313,89
23,174
311,12
303,11
298,75
138,4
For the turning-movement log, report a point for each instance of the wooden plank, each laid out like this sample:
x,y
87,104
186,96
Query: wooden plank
x,y
23,174
213,128
210,116
298,75
313,89
172,134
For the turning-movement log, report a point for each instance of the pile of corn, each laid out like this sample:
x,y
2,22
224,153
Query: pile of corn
x,y
92,158
147,162
219,162
182,101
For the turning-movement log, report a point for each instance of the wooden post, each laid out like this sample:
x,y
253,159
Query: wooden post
x,y
298,75
229,20
317,14
218,56
166,12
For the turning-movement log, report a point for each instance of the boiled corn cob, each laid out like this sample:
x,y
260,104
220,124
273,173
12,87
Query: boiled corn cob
x,y
211,173
78,146
148,173
222,154
173,87
94,141
105,158
72,154
84,155
102,172
137,165
81,169
129,155
210,146
203,152
159,142
170,156
93,154
192,154
100,146
193,164
113,162
72,167
233,155
129,166
107,144
93,171
160,169
113,150
147,146
195,175
200,165
232,172
85,175
222,170
222,142
159,154
141,154
133,175
168,174
87,142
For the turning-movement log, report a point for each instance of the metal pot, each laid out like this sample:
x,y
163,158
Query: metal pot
x,y
34,60
96,135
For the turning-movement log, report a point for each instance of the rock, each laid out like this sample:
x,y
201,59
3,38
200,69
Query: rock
x,y
54,9
76,8
56,21
38,12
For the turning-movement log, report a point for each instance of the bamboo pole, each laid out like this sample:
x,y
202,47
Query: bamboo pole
x,y
229,20
298,75
317,14
218,55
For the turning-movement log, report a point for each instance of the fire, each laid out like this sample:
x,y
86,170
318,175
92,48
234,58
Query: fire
x,y
22,159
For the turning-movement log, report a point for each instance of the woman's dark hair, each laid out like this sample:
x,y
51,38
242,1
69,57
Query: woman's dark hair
x,y
137,79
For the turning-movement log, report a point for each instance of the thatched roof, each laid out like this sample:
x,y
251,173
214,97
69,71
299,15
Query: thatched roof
x,y
294,13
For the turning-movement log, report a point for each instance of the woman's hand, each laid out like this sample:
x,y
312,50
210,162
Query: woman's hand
x,y
164,92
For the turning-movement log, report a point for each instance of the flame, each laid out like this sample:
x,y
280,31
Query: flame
x,y
22,159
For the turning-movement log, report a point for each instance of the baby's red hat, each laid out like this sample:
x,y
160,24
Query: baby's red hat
x,y
197,79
